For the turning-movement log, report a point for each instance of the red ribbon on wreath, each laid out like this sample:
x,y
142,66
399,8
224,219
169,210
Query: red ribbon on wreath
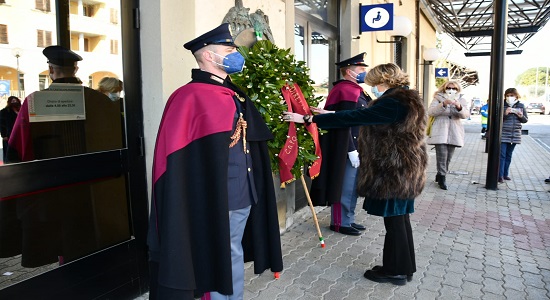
x,y
287,156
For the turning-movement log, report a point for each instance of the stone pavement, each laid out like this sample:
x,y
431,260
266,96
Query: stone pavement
x,y
471,243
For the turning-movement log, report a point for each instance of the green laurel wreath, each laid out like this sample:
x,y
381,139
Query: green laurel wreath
x,y
267,69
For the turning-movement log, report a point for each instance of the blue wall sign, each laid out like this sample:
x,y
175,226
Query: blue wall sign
x,y
376,17
441,72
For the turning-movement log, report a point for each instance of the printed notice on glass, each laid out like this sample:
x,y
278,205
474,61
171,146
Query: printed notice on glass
x,y
60,102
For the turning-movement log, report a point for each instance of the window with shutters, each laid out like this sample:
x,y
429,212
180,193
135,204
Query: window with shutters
x,y
43,5
114,46
44,38
3,34
114,16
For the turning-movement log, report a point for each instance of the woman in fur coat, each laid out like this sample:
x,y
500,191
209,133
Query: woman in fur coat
x,y
393,149
447,133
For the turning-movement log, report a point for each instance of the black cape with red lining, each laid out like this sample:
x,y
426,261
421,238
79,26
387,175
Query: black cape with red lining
x,y
326,188
189,223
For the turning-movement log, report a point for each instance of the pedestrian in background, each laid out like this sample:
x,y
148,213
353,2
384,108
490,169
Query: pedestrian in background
x,y
484,112
213,206
8,115
392,143
515,114
448,108
336,183
111,87
65,224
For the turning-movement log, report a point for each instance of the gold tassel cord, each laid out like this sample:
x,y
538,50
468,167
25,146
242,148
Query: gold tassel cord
x,y
239,130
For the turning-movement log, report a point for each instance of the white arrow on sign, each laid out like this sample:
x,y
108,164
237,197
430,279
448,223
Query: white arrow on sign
x,y
441,72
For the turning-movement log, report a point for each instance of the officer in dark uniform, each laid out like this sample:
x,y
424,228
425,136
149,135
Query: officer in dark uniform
x,y
61,225
335,185
213,205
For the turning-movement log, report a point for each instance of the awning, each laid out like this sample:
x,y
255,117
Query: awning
x,y
463,75
470,22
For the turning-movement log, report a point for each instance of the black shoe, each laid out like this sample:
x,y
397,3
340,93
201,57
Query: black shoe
x,y
442,184
437,176
500,180
379,276
378,268
345,230
547,180
506,178
358,226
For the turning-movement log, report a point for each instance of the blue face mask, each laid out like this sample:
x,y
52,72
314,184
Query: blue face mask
x,y
360,77
232,63
376,92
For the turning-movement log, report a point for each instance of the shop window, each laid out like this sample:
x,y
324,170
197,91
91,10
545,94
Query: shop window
x,y
44,38
114,16
43,5
315,42
114,46
299,42
324,10
3,34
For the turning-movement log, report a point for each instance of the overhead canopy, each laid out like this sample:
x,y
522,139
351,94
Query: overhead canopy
x,y
470,22
463,75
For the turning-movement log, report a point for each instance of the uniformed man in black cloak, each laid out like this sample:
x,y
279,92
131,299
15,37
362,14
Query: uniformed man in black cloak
x,y
61,225
213,204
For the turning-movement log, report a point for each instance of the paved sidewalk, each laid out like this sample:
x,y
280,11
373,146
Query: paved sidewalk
x,y
471,243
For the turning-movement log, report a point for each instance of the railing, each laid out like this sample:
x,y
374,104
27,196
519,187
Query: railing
x,y
19,94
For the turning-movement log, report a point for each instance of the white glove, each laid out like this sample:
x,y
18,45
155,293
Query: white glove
x,y
354,158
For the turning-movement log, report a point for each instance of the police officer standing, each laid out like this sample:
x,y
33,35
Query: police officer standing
x,y
213,205
336,184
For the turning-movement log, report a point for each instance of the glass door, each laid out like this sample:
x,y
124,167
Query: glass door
x,y
316,42
73,204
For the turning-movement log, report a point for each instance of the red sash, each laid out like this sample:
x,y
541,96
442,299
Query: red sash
x,y
297,103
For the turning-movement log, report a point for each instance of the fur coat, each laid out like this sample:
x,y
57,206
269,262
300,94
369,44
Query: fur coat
x,y
394,155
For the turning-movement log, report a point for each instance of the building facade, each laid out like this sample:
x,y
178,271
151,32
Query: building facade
x,y
141,43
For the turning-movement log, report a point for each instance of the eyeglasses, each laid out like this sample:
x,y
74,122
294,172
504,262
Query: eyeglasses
x,y
451,88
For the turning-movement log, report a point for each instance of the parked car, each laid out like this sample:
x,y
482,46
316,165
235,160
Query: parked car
x,y
475,106
535,107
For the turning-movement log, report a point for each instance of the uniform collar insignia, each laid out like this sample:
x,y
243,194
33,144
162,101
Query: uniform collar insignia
x,y
216,78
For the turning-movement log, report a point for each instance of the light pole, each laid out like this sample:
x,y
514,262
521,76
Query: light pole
x,y
429,55
17,53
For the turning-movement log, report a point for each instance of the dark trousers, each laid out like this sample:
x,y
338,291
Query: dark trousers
x,y
398,254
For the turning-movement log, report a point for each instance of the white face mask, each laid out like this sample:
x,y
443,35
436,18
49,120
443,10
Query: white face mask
x,y
511,99
114,96
451,94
